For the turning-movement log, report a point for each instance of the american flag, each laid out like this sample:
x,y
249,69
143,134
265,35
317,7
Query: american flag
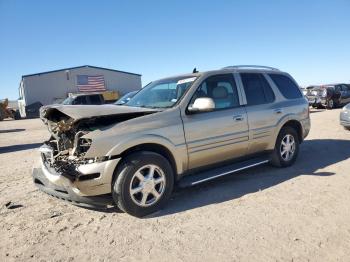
x,y
94,83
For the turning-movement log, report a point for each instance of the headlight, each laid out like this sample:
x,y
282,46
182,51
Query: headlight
x,y
304,92
314,93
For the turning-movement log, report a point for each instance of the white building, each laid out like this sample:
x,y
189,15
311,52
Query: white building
x,y
52,86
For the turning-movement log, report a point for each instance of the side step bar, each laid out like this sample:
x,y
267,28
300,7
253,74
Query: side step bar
x,y
195,179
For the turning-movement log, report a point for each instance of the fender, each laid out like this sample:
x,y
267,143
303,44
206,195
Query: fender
x,y
179,151
279,125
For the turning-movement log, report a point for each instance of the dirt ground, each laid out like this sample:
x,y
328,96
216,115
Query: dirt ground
x,y
301,213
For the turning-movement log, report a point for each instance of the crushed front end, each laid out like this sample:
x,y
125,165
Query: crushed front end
x,y
65,170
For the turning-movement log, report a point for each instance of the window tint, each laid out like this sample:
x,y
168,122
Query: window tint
x,y
221,88
286,86
257,89
344,88
95,100
80,100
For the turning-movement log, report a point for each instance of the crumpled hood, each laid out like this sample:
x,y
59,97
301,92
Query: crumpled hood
x,y
78,112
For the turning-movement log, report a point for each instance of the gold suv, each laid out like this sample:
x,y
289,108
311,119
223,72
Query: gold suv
x,y
181,130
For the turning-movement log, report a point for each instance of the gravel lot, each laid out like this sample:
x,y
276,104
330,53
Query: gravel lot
x,y
300,213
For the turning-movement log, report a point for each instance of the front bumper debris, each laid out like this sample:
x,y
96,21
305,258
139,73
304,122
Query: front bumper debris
x,y
91,189
66,193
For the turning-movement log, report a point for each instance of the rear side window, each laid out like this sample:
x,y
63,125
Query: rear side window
x,y
286,86
95,100
344,88
257,89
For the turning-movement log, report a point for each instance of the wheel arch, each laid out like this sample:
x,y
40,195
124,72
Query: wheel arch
x,y
151,147
296,125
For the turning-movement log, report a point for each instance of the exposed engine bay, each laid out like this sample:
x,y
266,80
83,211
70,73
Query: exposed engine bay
x,y
66,148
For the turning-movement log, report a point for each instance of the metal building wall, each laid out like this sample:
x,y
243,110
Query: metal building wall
x,y
48,87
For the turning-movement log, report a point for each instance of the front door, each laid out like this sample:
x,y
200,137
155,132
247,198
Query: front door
x,y
219,135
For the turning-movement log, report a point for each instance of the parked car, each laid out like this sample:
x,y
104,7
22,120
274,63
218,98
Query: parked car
x,y
329,96
125,98
345,117
84,99
182,130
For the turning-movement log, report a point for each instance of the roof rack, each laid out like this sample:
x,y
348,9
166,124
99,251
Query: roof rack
x,y
251,66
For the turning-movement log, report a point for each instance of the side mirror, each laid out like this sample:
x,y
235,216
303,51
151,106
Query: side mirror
x,y
202,104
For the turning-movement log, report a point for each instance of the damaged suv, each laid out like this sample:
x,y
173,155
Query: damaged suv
x,y
181,130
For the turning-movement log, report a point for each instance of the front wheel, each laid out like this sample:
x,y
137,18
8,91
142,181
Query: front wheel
x,y
143,183
286,148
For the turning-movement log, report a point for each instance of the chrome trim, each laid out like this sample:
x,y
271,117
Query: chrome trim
x,y
251,66
229,172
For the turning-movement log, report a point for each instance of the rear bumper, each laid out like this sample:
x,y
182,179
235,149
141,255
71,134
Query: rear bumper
x,y
317,101
306,126
311,100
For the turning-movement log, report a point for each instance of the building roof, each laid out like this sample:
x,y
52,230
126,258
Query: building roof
x,y
76,67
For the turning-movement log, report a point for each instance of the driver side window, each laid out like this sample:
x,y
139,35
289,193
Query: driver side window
x,y
221,88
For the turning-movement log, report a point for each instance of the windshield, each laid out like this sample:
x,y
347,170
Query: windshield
x,y
125,98
162,93
68,101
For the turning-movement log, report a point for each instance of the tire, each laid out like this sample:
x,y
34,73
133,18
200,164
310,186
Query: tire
x,y
127,177
17,115
1,115
277,158
330,104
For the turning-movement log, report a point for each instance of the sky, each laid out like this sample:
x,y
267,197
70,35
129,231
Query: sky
x,y
308,39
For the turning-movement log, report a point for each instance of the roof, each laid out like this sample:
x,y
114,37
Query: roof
x,y
69,68
239,69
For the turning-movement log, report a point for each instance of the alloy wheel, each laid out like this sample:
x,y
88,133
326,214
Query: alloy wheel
x,y
147,185
287,148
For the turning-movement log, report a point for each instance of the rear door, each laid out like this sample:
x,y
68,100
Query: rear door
x,y
219,135
263,114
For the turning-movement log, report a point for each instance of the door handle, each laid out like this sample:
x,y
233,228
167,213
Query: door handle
x,y
238,118
278,111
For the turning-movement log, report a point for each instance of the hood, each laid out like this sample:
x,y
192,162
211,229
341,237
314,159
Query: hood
x,y
59,112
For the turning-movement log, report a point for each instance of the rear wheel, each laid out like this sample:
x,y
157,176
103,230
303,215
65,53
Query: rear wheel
x,y
17,115
143,184
2,115
330,104
286,148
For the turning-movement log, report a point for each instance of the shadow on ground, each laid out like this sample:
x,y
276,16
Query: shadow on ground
x,y
314,155
14,148
317,110
12,130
